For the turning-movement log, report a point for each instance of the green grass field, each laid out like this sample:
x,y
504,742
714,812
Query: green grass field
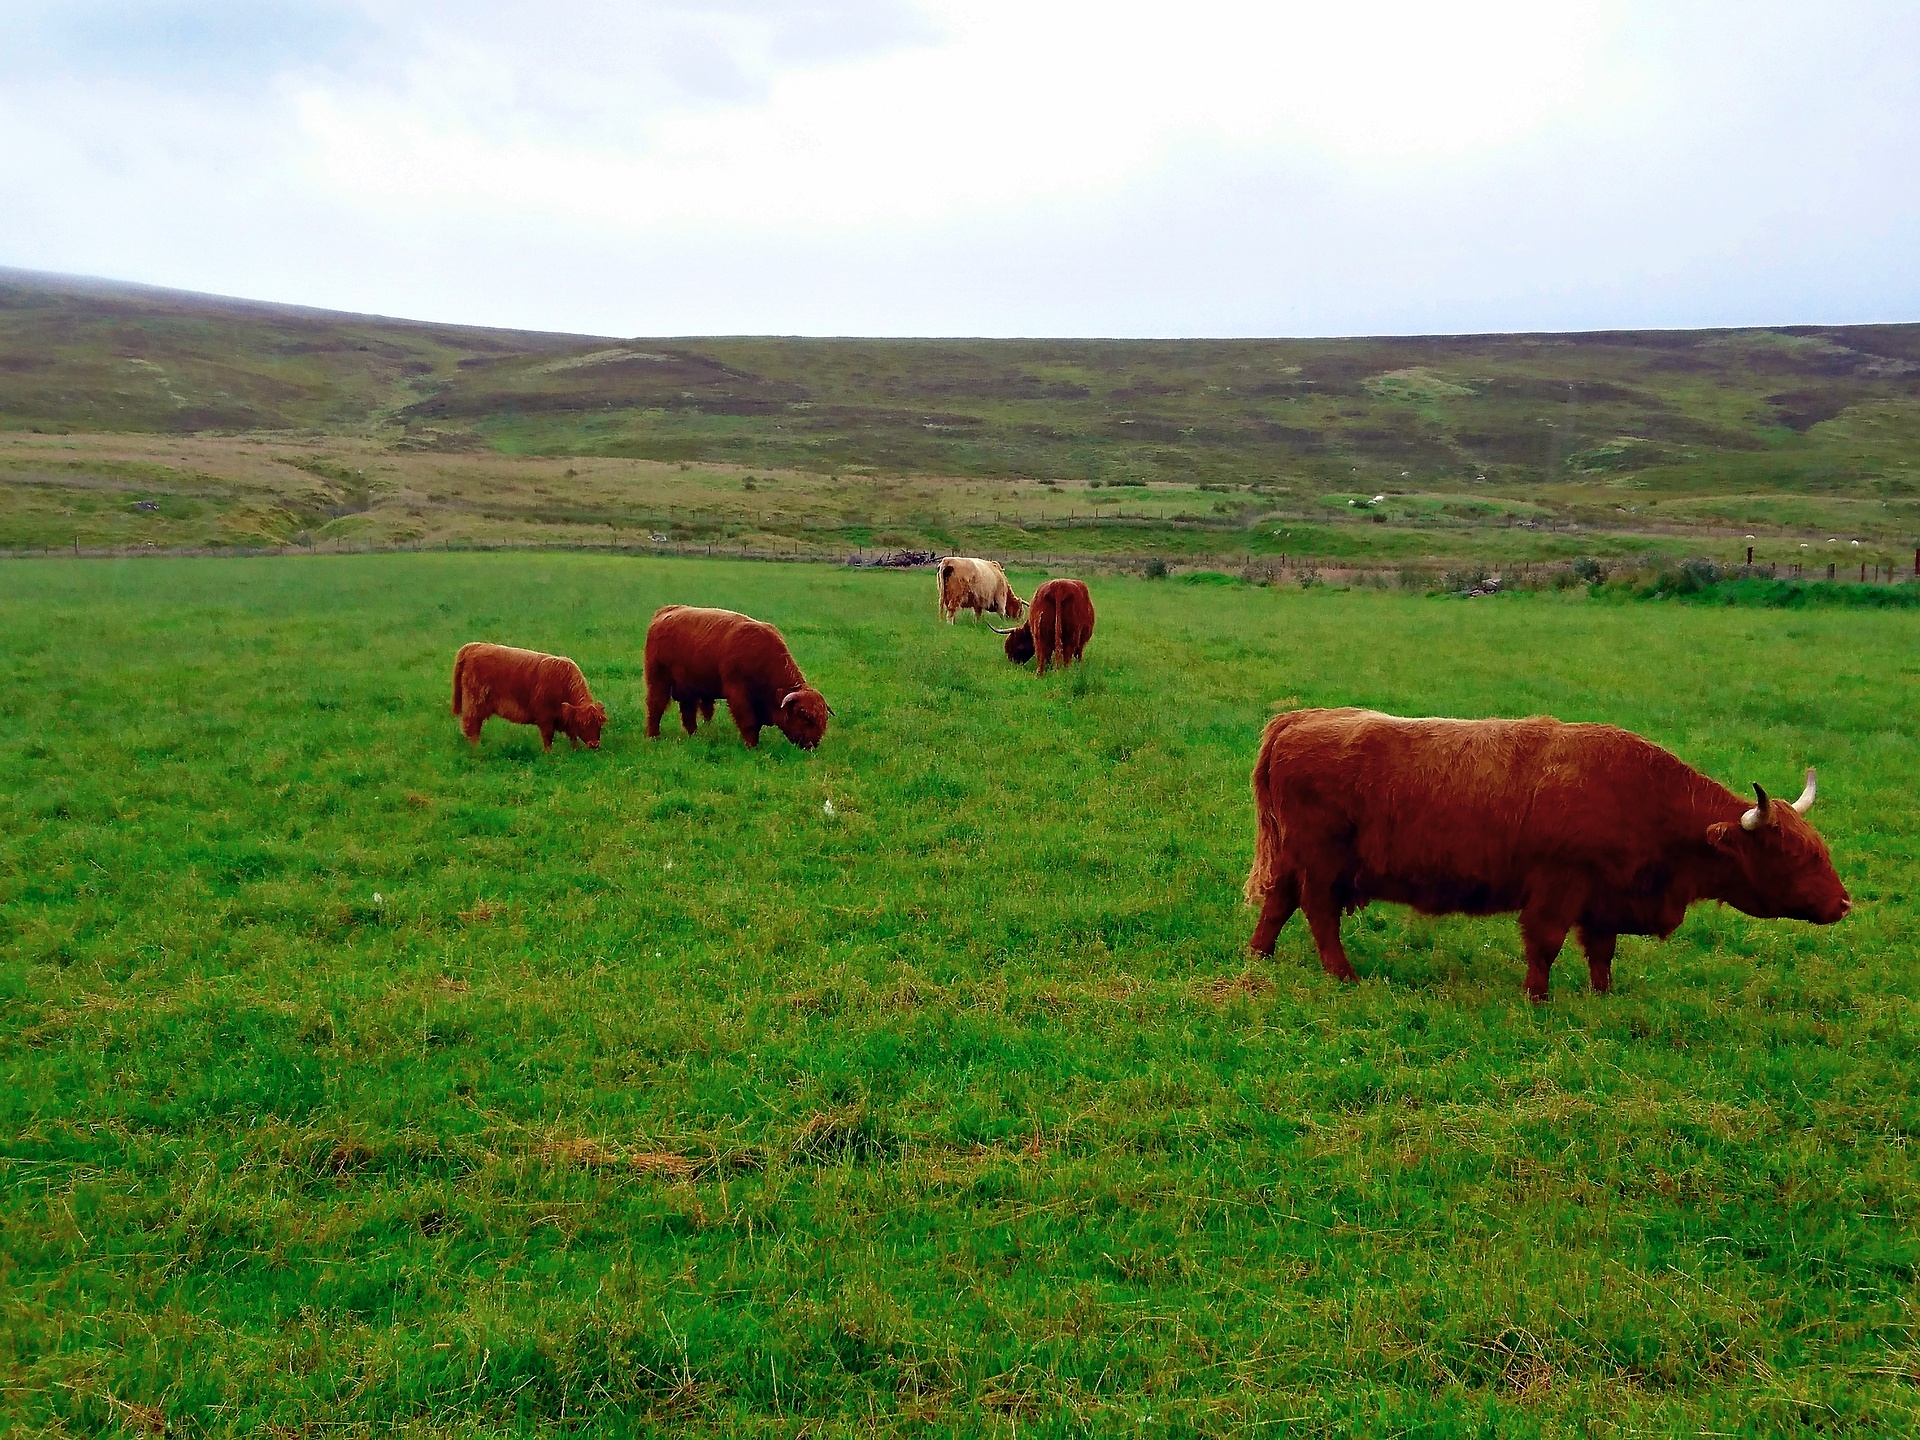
x,y
357,1082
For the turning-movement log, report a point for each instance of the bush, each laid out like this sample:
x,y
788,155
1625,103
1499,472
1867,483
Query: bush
x,y
1155,570
1589,570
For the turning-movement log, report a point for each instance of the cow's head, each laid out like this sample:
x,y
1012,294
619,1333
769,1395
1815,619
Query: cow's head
x,y
1784,870
802,716
1019,642
584,722
1016,607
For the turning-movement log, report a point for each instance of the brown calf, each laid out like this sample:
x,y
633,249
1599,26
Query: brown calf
x,y
525,687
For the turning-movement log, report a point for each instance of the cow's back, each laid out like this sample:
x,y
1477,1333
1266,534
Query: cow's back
x,y
508,666
698,648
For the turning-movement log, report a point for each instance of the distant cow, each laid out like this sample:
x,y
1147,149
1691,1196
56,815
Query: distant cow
x,y
525,688
1574,826
697,656
1059,624
976,585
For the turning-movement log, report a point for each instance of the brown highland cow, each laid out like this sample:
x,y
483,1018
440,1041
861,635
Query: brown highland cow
x,y
1059,624
525,687
1576,827
699,656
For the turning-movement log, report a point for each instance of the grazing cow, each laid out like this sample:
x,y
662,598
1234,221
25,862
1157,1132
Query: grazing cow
x,y
699,656
1574,826
1059,624
525,688
976,585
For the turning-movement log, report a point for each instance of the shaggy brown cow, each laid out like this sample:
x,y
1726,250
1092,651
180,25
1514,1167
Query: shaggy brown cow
x,y
976,585
699,656
1573,826
526,688
1059,624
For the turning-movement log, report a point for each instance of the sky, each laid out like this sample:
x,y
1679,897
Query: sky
x,y
978,167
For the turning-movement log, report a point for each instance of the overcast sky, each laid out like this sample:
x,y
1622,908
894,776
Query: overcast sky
x,y
972,167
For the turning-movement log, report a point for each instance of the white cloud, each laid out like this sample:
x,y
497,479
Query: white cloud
x,y
980,166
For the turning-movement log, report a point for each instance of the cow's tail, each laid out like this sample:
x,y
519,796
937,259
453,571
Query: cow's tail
x,y
459,671
1268,841
944,569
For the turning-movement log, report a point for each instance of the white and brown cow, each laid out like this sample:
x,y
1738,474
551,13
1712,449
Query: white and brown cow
x,y
976,585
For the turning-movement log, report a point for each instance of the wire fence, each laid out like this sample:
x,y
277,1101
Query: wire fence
x,y
1306,570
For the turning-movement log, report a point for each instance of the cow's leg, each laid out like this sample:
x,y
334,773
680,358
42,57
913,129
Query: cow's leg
x,y
658,697
1599,947
689,712
1323,915
472,718
546,735
1543,933
706,707
740,704
1282,900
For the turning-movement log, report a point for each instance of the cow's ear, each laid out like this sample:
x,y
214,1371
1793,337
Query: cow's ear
x,y
1719,835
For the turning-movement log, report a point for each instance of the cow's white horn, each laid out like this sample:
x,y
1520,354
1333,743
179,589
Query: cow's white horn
x,y
1751,820
1757,816
787,699
1805,802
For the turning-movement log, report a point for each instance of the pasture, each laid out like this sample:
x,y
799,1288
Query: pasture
x,y
357,1081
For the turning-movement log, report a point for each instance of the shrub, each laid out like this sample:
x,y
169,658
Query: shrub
x,y
1155,569
1589,570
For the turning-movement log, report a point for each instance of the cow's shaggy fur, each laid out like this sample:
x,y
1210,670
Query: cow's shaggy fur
x,y
1059,624
1573,826
525,687
976,585
699,656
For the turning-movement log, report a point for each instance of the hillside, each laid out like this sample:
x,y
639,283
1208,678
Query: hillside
x,y
1795,431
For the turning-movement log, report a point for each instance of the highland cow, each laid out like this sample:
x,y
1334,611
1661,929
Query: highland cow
x,y
696,657
1575,827
1059,623
976,585
525,687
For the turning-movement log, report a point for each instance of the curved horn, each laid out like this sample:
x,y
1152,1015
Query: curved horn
x,y
1805,802
1759,814
829,710
787,698
1008,631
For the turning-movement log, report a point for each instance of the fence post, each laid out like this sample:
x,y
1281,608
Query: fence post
x,y
1830,569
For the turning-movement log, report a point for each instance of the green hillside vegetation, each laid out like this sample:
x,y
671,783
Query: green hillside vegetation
x,y
355,1081
1510,447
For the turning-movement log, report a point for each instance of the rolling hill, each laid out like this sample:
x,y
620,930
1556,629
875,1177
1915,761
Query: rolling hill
x,y
1802,427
